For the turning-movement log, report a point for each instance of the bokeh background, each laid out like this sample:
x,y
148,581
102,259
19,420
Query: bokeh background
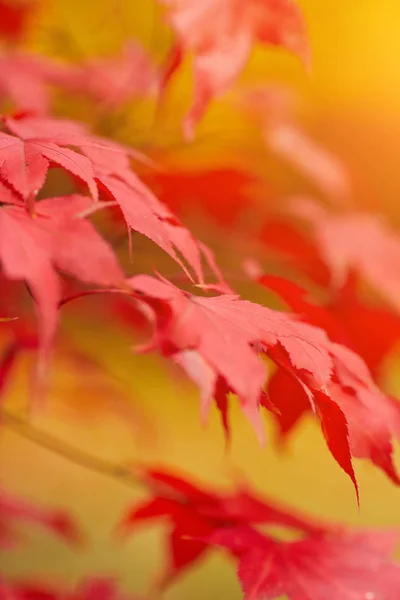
x,y
350,102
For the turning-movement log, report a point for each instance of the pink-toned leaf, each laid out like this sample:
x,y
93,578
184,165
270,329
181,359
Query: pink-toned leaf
x,y
221,33
228,333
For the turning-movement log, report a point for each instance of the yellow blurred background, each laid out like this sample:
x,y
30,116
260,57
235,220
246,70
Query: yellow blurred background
x,y
351,102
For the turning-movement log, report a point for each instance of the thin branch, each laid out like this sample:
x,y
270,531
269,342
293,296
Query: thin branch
x,y
65,450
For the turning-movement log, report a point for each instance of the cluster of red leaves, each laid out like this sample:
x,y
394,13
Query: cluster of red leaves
x,y
356,564
327,354
35,236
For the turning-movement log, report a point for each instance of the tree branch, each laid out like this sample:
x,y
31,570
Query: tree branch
x,y
45,440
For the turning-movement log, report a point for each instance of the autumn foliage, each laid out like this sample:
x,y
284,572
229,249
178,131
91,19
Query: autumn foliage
x,y
298,321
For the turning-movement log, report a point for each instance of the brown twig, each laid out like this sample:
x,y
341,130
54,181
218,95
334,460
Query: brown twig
x,y
42,438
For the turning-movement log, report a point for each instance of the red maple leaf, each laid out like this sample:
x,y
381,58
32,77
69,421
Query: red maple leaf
x,y
195,513
346,565
225,334
16,509
31,249
221,34
216,340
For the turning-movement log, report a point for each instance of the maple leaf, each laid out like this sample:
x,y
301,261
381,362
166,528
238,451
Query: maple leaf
x,y
31,248
216,340
144,213
16,509
221,33
112,81
347,565
227,334
195,513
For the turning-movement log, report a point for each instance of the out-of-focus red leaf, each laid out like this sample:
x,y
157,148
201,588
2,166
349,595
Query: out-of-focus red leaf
x,y
291,245
25,80
15,18
14,509
220,193
221,33
195,513
111,81
311,159
355,243
374,330
30,248
273,110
